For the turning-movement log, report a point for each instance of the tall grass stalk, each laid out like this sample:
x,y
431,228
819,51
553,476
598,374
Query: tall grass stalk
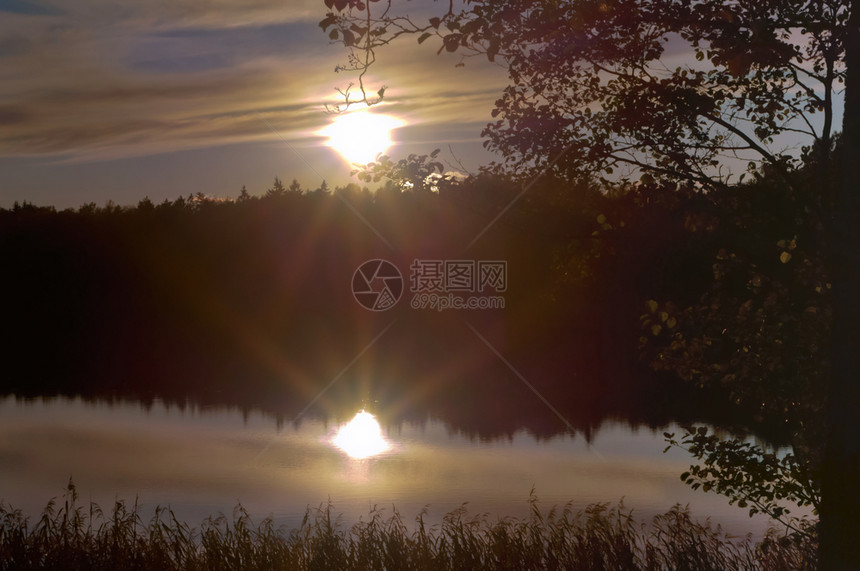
x,y
71,536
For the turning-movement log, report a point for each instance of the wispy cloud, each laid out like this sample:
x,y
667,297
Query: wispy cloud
x,y
97,79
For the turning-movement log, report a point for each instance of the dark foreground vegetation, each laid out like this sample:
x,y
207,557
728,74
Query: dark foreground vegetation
x,y
73,536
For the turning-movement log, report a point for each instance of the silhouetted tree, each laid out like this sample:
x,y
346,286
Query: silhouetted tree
x,y
295,187
591,92
841,497
89,208
416,173
277,189
145,205
592,95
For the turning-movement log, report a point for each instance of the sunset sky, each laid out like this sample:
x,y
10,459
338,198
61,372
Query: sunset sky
x,y
101,100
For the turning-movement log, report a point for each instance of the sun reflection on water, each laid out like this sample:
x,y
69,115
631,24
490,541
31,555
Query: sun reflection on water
x,y
361,437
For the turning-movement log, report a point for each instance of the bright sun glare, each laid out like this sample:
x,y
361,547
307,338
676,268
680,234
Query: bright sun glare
x,y
361,437
360,135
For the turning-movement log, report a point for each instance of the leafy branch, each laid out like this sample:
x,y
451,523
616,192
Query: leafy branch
x,y
749,476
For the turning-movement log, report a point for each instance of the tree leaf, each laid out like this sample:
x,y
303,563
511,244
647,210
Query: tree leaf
x,y
451,42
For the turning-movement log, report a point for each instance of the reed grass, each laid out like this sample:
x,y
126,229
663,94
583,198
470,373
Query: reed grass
x,y
69,535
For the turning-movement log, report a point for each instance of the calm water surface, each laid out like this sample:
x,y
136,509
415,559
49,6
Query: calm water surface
x,y
203,461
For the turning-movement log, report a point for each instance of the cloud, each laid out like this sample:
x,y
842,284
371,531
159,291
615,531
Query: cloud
x,y
139,14
24,7
98,79
12,114
126,117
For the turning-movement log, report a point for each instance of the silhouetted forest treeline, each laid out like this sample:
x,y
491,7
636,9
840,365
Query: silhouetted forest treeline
x,y
248,301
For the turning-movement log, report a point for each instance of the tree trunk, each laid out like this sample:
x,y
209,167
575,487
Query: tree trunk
x,y
840,510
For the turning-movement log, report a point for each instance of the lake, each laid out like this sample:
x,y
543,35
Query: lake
x,y
203,460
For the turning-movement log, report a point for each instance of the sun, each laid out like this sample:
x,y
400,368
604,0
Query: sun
x,y
361,437
359,136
